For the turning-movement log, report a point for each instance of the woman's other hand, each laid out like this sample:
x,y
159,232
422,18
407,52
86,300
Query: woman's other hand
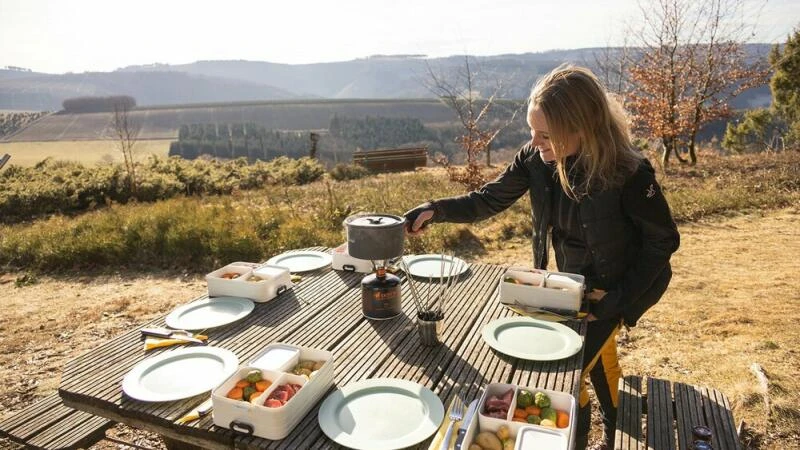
x,y
418,218
595,295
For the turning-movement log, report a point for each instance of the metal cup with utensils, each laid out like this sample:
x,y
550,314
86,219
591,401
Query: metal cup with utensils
x,y
430,331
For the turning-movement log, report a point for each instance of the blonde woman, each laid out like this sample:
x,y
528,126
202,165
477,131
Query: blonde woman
x,y
596,198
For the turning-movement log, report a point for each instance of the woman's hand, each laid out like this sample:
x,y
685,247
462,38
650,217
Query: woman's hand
x,y
418,218
594,296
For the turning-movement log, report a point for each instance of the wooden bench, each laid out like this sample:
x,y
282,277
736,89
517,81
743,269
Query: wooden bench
x,y
670,411
48,424
392,160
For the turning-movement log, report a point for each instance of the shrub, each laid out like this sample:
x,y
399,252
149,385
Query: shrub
x,y
66,187
342,172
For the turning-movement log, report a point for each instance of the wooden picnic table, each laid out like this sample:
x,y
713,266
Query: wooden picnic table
x,y
324,311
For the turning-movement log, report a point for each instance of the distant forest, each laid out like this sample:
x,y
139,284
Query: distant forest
x,y
343,136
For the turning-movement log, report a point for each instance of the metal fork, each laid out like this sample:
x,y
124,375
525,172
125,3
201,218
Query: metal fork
x,y
456,414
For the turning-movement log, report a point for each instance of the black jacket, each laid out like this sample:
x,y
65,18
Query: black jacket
x,y
629,231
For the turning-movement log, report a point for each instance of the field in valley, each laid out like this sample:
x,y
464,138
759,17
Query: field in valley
x,y
27,154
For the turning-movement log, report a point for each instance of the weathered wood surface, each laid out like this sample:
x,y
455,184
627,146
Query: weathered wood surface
x,y
324,311
669,411
49,424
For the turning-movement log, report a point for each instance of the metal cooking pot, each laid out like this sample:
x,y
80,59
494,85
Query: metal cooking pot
x,y
375,236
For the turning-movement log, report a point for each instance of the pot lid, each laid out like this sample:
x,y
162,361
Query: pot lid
x,y
374,220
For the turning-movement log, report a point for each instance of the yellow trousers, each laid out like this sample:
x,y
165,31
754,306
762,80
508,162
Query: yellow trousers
x,y
607,356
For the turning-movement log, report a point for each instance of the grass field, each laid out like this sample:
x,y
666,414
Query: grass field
x,y
87,152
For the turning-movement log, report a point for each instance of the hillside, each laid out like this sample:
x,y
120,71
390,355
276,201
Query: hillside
x,y
163,122
377,77
45,92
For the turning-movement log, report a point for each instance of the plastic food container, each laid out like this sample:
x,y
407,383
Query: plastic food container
x,y
543,437
538,438
254,418
341,260
259,283
542,289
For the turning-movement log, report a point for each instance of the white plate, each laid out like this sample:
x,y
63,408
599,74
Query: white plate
x,y
381,414
430,266
209,313
302,261
179,374
536,340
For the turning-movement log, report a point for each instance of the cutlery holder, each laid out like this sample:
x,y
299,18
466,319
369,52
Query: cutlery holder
x,y
430,331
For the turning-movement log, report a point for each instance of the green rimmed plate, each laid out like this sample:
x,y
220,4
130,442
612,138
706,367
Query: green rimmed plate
x,y
532,339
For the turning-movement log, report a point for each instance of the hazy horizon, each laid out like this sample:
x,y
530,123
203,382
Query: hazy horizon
x,y
97,36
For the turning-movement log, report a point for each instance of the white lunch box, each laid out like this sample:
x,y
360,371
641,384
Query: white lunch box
x,y
260,283
527,436
542,289
341,260
276,362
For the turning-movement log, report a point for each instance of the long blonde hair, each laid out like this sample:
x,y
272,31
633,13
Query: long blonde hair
x,y
574,102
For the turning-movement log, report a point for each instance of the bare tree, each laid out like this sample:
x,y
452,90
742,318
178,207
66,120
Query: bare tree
x,y
613,64
474,113
692,63
126,133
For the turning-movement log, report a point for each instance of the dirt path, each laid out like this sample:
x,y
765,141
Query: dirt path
x,y
733,301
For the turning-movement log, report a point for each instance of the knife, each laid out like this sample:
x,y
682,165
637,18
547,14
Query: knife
x,y
166,333
462,429
562,313
202,410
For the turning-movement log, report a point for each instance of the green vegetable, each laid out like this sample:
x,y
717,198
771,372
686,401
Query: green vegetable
x,y
534,419
542,400
524,399
247,392
254,376
549,414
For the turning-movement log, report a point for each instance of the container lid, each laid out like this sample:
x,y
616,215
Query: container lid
x,y
374,220
530,438
271,271
275,357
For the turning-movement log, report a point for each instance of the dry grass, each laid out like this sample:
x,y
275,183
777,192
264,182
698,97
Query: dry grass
x,y
27,154
733,301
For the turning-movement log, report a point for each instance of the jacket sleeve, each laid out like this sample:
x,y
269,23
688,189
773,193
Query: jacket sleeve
x,y
492,198
644,204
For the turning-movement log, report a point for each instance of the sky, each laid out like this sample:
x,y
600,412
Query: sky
x,y
102,35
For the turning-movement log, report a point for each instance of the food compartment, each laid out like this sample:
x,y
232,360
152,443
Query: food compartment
x,y
541,289
231,272
282,392
544,408
236,395
495,407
